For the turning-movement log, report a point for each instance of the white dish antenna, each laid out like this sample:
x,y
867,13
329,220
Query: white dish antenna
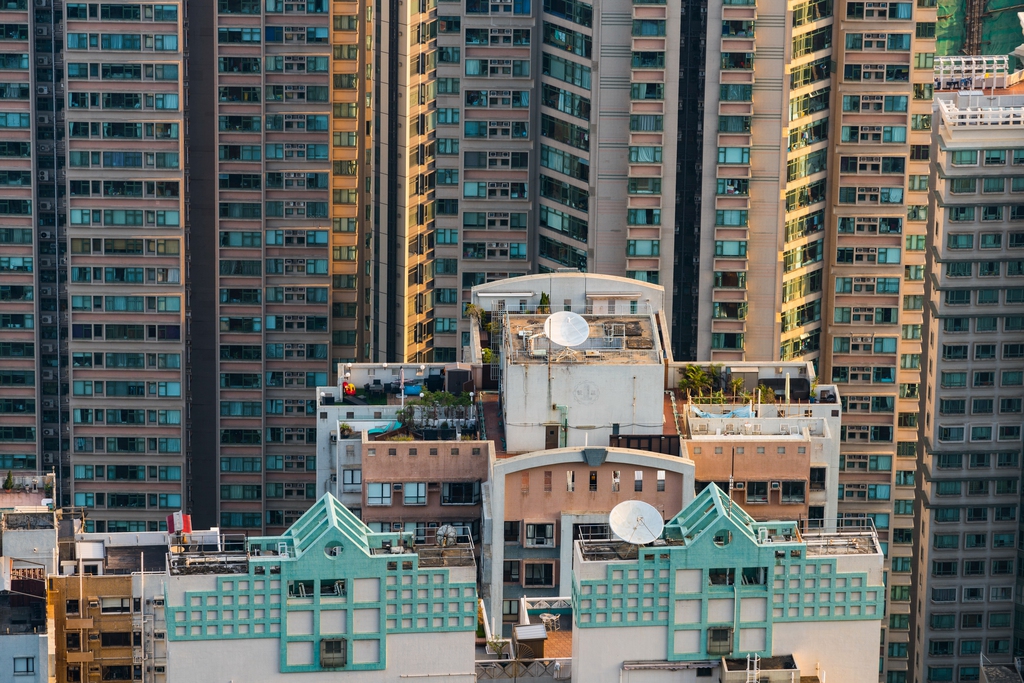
x,y
635,521
566,328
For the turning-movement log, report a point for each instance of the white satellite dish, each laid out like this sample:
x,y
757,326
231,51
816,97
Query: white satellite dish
x,y
566,328
635,521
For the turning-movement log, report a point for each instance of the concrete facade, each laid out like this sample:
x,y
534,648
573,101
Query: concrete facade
x,y
563,495
693,610
967,509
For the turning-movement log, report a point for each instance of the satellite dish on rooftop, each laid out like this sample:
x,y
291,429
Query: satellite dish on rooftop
x,y
635,521
566,328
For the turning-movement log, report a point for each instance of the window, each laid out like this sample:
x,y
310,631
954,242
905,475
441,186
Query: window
x,y
539,574
414,493
460,493
512,530
333,653
24,665
378,493
720,641
540,535
510,571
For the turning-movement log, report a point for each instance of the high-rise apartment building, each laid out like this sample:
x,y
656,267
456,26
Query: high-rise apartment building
x,y
874,292
92,270
277,148
967,512
544,162
818,216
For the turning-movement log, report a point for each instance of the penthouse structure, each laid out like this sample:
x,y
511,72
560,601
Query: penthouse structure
x,y
326,597
721,595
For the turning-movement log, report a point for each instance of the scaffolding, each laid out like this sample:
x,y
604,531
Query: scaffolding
x,y
977,27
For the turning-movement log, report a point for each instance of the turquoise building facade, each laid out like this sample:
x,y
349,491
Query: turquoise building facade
x,y
329,589
720,584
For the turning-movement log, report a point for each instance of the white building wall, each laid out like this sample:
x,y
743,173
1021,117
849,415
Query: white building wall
x,y
422,656
595,396
598,653
839,648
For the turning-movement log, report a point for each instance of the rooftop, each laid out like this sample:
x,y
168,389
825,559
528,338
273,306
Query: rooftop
x,y
974,109
19,520
704,516
999,673
781,662
614,340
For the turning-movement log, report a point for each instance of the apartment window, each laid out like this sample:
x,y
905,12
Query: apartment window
x,y
414,493
539,574
24,665
512,530
540,535
638,480
719,641
333,653
510,571
378,493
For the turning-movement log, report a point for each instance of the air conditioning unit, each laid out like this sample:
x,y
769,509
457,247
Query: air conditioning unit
x,y
42,90
334,437
159,602
776,485
45,235
49,432
42,3
46,206
396,487
49,402
739,485
47,319
396,526
44,119
49,458
42,30
47,374
46,262
159,669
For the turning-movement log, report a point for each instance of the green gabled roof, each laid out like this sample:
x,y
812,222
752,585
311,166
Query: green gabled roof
x,y
711,506
326,514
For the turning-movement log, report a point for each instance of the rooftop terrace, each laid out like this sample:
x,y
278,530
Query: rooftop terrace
x,y
614,340
967,109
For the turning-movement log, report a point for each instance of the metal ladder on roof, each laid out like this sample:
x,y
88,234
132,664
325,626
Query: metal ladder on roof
x,y
753,668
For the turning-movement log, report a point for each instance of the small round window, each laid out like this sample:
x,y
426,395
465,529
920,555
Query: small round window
x,y
333,549
723,537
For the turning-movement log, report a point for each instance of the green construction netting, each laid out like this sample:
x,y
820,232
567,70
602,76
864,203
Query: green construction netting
x,y
1000,32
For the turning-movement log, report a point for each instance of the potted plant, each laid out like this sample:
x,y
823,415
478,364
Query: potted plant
x,y
345,429
545,303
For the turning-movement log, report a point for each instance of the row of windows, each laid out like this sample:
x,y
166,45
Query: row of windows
x,y
126,444
162,501
128,472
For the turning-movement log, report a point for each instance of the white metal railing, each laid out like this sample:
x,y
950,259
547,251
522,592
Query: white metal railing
x,y
982,110
973,72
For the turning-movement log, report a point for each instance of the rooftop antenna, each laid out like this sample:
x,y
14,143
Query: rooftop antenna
x,y
636,522
566,328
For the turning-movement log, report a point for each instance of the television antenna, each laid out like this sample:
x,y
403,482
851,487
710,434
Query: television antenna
x,y
636,522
